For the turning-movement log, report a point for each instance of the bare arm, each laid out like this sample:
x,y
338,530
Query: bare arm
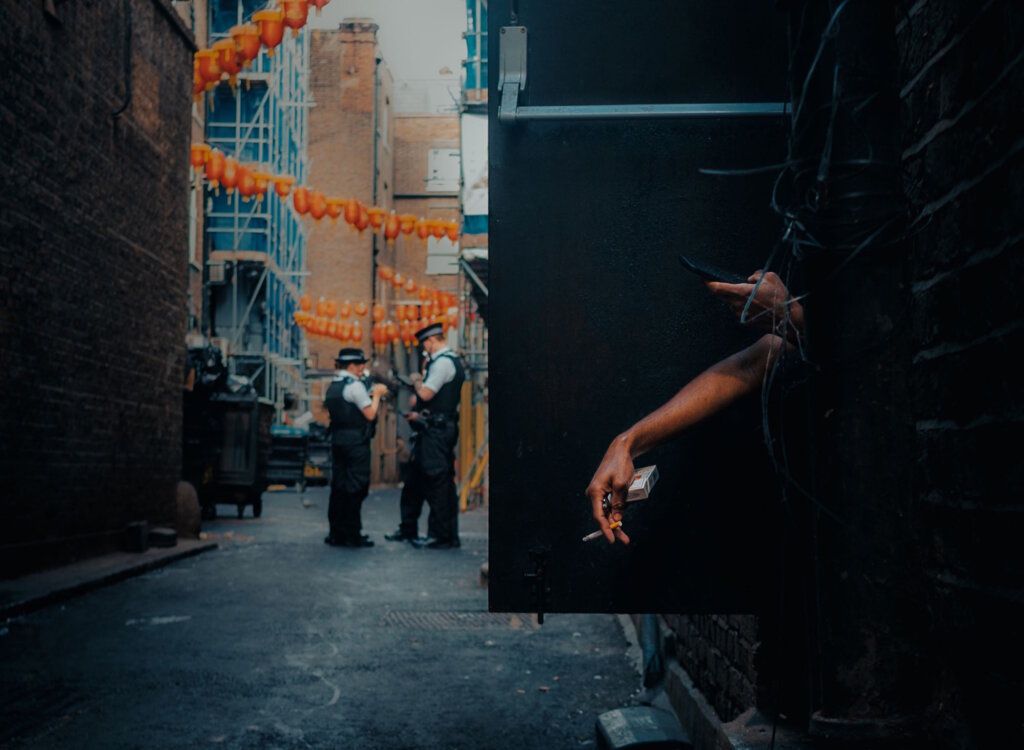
x,y
771,309
710,392
370,412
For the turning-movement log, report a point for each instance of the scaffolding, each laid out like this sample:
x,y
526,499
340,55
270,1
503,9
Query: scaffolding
x,y
256,249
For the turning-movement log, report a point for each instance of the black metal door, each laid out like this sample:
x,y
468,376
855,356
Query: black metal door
x,y
593,322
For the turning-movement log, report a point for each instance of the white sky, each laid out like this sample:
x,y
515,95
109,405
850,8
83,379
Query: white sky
x,y
417,37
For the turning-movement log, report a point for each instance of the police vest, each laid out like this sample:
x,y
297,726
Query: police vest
x,y
345,416
446,401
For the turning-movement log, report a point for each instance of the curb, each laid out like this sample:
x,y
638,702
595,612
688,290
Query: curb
x,y
59,593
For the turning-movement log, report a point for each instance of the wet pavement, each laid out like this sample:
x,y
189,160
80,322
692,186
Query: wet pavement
x,y
276,640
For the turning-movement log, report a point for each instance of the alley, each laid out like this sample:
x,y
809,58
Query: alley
x,y
275,640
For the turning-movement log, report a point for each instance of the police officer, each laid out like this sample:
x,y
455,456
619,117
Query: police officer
x,y
353,413
437,396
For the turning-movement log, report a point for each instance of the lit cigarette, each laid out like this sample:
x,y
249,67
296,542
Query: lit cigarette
x,y
596,534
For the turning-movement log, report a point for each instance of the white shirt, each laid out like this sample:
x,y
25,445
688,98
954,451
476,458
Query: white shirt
x,y
442,370
354,391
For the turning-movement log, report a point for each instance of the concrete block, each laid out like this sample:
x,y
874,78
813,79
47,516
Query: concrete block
x,y
638,727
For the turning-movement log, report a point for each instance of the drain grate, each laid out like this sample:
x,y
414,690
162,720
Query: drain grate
x,y
457,620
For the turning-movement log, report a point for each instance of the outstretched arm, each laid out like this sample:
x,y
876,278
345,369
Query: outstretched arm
x,y
710,392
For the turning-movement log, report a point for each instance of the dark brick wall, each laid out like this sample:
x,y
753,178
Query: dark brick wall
x,y
962,79
718,652
961,74
93,221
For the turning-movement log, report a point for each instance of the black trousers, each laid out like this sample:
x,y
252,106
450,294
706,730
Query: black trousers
x,y
350,484
433,465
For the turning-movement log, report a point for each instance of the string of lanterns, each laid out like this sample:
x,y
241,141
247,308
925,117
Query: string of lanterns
x,y
227,58
253,181
330,319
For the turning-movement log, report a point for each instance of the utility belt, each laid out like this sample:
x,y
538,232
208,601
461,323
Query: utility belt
x,y
427,419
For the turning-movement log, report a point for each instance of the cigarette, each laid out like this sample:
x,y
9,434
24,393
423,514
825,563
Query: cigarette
x,y
596,534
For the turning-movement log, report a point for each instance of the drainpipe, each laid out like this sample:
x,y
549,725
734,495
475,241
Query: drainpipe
x,y
376,138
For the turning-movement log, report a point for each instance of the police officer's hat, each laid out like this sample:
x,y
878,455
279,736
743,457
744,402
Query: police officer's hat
x,y
350,356
434,329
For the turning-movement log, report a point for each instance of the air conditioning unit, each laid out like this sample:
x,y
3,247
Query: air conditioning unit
x,y
221,342
216,273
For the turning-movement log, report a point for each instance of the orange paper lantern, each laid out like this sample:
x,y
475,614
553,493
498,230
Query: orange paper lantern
x,y
351,211
345,309
295,14
271,26
363,221
247,42
397,281
376,216
209,68
452,230
283,184
391,228
318,4
378,313
198,154
407,223
321,307
317,205
334,207
228,59
305,303
360,309
386,273
357,332
331,308
422,229
300,199
230,176
410,285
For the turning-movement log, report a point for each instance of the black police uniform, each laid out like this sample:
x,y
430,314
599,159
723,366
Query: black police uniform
x,y
350,479
433,458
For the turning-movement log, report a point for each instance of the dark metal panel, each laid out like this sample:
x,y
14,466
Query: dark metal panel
x,y
594,323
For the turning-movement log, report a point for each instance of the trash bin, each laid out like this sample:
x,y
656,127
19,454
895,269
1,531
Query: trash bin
x,y
318,455
287,462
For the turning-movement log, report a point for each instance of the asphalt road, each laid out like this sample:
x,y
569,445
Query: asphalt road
x,y
276,640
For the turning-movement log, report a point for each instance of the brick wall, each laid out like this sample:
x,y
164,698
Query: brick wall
x,y
415,136
343,78
961,74
962,78
93,221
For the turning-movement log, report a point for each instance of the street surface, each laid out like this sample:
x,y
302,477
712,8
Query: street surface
x,y
276,640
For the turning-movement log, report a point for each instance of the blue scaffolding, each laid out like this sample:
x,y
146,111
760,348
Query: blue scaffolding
x,y
256,250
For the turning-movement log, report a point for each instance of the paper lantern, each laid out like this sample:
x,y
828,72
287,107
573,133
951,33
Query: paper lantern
x,y
321,307
363,221
391,330
209,68
334,208
423,229
452,230
300,199
391,228
410,285
332,328
295,14
359,308
407,223
437,228
352,211
331,308
397,281
386,273
198,154
317,204
378,313
247,42
346,331
271,26
283,184
230,176
305,303
246,182
318,4
423,293
262,182
228,59
357,332
345,309
376,216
